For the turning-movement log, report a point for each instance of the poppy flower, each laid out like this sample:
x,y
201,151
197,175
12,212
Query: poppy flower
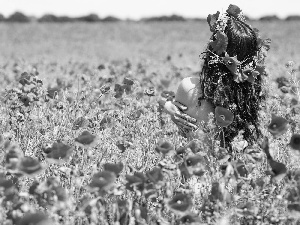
x,y
80,122
150,192
261,69
295,142
245,207
241,169
165,82
155,175
49,192
211,20
169,95
220,192
116,168
105,122
135,182
122,146
128,81
150,91
196,165
13,156
293,194
102,181
58,152
194,145
164,147
224,117
141,211
53,186
258,183
190,218
253,154
185,174
294,101
119,90
232,63
36,218
180,203
278,169
86,139
233,10
250,75
104,89
30,166
278,126
53,92
25,99
220,43
294,208
266,44
135,115
8,186
25,78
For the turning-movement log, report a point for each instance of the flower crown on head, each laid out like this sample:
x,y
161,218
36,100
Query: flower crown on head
x,y
217,23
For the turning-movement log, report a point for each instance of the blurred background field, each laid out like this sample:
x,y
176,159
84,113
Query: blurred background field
x,y
178,43
59,81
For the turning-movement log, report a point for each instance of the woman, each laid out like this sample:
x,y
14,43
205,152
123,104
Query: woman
x,y
231,78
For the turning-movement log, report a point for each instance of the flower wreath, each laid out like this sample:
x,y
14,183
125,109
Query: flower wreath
x,y
217,24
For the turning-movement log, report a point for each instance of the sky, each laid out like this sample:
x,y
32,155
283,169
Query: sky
x,y
136,9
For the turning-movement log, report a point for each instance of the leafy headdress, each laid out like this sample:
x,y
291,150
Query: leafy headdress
x,y
218,44
233,71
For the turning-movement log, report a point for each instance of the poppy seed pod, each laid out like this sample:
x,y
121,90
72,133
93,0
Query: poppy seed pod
x,y
224,117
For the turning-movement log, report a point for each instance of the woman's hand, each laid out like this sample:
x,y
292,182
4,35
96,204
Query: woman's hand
x,y
181,119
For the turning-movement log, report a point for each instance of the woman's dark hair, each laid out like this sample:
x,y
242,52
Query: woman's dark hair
x,y
218,86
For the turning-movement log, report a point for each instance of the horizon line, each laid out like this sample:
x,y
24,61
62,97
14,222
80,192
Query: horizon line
x,y
140,18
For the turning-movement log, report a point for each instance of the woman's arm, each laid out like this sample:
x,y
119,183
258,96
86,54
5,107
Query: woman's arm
x,y
176,110
187,93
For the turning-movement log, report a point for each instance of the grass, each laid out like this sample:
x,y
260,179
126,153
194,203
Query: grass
x,y
83,69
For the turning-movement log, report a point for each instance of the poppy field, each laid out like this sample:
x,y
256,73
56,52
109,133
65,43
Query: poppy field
x,y
83,139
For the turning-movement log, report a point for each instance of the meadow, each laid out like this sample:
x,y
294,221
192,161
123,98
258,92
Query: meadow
x,y
84,141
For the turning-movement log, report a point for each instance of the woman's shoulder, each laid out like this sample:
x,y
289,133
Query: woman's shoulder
x,y
190,82
188,90
188,94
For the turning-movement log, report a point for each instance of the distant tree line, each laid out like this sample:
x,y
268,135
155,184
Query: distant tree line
x,y
50,18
